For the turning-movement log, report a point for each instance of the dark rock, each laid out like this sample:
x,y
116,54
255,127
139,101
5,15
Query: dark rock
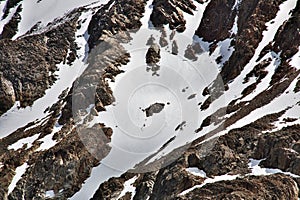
x,y
171,181
9,4
197,48
276,186
115,17
112,188
250,22
191,96
283,138
190,53
150,41
153,54
144,185
29,62
154,108
174,48
170,12
217,21
11,28
7,94
163,42
180,126
297,88
284,159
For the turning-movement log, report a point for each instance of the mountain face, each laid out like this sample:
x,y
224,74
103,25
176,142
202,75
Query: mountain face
x,y
157,99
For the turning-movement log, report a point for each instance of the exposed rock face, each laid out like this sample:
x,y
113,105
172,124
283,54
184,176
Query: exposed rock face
x,y
171,181
7,94
154,108
144,185
112,188
252,187
230,154
278,150
10,29
190,53
151,40
217,21
252,17
10,4
153,54
122,16
170,12
29,62
174,48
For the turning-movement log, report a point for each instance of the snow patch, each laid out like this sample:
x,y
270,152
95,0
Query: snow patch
x,y
16,117
41,12
196,171
295,61
19,172
225,177
19,144
8,18
259,171
47,141
49,194
128,187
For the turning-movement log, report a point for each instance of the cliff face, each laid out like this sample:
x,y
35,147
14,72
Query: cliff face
x,y
61,79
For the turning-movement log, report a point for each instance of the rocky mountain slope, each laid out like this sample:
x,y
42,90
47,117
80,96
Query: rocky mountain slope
x,y
150,99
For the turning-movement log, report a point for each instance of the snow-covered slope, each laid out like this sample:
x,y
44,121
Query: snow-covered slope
x,y
205,108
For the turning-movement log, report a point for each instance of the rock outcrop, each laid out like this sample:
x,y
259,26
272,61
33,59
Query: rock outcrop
x,y
29,63
153,54
78,143
279,187
170,12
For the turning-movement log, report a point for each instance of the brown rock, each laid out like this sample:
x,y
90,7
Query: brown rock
x,y
153,55
7,94
190,53
154,108
276,186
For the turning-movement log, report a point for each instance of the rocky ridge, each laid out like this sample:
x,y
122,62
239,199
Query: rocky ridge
x,y
64,167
